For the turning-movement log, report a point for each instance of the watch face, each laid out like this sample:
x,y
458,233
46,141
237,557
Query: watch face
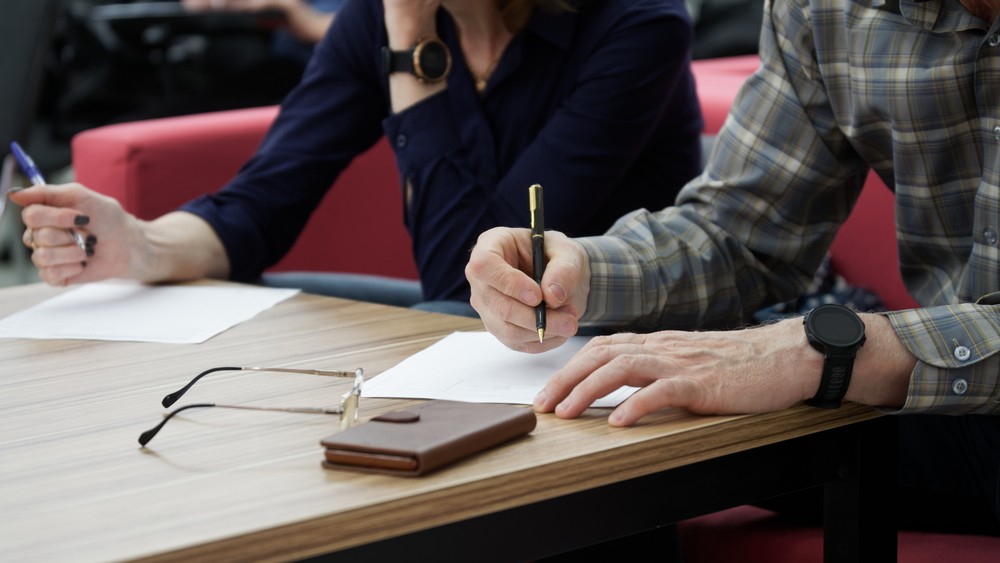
x,y
836,326
433,59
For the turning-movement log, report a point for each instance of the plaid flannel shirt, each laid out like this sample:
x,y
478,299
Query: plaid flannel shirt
x,y
908,89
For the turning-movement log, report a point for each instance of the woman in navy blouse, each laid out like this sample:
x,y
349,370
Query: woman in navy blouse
x,y
592,99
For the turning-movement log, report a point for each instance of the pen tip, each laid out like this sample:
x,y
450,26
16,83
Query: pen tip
x,y
541,335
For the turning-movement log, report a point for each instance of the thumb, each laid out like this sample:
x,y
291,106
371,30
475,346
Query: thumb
x,y
566,271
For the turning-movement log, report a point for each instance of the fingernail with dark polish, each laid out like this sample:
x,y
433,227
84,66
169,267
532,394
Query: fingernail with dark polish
x,y
91,240
81,220
90,251
83,263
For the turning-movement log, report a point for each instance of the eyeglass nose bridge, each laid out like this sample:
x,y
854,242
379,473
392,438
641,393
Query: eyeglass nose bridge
x,y
349,401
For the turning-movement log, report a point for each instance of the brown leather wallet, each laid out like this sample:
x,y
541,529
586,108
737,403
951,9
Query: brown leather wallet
x,y
425,437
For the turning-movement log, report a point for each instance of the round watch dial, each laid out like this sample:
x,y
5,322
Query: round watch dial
x,y
836,326
432,60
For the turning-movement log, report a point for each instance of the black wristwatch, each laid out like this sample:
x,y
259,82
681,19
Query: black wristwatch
x,y
429,60
837,332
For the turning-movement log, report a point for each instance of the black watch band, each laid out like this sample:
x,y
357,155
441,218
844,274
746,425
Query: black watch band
x,y
397,61
837,370
429,60
837,332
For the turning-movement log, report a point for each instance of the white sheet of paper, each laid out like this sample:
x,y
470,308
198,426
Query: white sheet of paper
x,y
129,311
476,367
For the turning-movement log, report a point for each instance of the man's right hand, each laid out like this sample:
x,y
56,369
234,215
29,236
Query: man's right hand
x,y
505,294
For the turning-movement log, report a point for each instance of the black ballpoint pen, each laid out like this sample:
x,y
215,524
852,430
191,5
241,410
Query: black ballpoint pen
x,y
538,250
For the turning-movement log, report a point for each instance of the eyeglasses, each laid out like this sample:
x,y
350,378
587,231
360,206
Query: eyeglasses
x,y
348,408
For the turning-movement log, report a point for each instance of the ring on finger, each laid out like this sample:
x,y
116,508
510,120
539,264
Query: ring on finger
x,y
31,239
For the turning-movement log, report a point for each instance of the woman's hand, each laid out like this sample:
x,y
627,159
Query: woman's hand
x,y
51,212
175,246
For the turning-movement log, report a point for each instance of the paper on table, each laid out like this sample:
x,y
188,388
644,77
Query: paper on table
x,y
129,311
475,367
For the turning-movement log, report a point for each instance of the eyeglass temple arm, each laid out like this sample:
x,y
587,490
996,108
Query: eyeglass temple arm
x,y
148,435
173,397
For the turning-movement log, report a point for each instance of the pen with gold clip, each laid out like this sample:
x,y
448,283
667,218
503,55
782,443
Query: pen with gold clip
x,y
538,250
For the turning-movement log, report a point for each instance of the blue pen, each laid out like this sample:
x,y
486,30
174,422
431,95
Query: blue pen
x,y
30,170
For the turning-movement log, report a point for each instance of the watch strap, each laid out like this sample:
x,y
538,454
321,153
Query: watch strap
x,y
397,61
837,369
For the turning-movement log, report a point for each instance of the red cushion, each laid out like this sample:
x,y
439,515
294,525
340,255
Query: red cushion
x,y
750,535
138,162
718,81
864,251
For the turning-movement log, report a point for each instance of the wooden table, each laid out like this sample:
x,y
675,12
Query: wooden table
x,y
223,485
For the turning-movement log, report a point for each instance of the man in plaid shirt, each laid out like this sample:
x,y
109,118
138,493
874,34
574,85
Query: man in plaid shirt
x,y
904,87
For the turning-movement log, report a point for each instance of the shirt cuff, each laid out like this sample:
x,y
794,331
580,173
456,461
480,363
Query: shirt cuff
x,y
958,358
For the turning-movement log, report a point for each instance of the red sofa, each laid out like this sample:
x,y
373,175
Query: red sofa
x,y
154,166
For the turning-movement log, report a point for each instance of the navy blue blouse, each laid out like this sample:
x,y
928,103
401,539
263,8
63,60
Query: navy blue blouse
x,y
597,105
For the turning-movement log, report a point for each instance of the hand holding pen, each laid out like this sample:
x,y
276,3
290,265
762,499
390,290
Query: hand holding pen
x,y
538,250
35,177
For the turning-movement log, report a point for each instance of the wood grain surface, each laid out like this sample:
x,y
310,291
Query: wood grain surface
x,y
220,485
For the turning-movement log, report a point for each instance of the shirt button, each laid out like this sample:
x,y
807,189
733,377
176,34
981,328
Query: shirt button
x,y
960,386
994,40
990,236
401,139
996,133
962,353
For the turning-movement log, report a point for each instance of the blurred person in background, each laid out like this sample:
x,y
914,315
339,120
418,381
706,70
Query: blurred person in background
x,y
592,99
306,21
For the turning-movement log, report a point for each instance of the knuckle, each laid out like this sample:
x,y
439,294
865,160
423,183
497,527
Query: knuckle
x,y
474,266
48,276
510,280
503,307
477,303
600,342
627,363
596,354
30,215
